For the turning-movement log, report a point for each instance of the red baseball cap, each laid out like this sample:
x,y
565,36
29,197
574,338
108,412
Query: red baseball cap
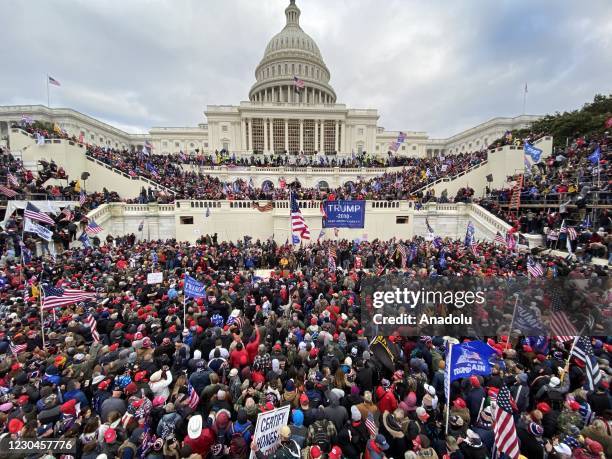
x,y
110,435
304,399
335,453
315,452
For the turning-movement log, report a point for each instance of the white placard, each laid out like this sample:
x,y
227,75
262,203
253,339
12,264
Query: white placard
x,y
267,429
155,278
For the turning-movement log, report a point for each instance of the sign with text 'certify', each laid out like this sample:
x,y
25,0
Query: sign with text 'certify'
x,y
267,429
344,214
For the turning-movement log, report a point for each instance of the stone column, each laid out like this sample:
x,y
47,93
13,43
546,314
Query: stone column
x,y
301,135
271,130
243,134
265,126
287,135
323,136
336,137
316,136
250,135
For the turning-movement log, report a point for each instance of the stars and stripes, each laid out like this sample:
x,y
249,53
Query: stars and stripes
x,y
17,348
91,322
193,399
561,328
12,179
298,83
267,207
93,228
504,429
298,224
403,251
82,198
371,425
54,296
32,212
583,351
499,239
53,81
67,214
534,268
571,233
7,192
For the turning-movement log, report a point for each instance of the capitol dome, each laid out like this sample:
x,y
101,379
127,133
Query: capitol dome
x,y
292,54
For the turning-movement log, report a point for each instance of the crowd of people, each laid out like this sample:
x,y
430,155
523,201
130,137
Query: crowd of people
x,y
571,188
164,376
188,184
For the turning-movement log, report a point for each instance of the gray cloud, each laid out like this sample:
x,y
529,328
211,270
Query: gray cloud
x,y
436,66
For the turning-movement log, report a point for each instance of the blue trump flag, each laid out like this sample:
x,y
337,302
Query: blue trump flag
x,y
193,288
595,157
533,152
471,358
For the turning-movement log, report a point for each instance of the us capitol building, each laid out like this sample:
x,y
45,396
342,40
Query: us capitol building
x,y
277,118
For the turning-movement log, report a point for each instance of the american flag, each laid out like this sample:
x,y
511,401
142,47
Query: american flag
x,y
298,224
323,211
93,228
267,207
506,440
584,351
67,213
91,322
401,248
371,425
32,212
299,83
53,81
533,268
332,252
54,297
17,348
193,399
12,179
499,239
331,263
571,233
82,198
563,228
7,192
561,328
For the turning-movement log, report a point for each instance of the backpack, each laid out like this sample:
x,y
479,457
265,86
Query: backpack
x,y
321,437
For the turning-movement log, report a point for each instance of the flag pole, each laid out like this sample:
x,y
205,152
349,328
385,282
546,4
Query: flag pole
x,y
42,318
184,310
524,98
448,383
48,103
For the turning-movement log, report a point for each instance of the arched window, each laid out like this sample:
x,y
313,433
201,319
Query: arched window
x,y
267,185
323,185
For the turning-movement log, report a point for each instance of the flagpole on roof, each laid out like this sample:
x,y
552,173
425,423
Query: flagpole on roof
x,y
48,104
524,98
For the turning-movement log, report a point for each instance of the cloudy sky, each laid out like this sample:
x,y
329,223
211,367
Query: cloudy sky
x,y
439,66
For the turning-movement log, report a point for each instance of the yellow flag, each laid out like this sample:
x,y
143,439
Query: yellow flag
x,y
56,128
35,291
77,186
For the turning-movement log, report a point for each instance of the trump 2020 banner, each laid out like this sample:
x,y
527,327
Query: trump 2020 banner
x,y
344,214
